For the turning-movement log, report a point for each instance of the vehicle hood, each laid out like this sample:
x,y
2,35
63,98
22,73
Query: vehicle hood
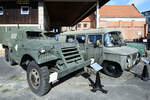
x,y
123,50
35,44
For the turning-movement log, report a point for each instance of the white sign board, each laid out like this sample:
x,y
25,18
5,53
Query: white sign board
x,y
96,67
53,77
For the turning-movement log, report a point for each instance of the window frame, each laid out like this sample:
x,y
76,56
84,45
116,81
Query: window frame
x,y
79,25
77,37
23,13
148,19
29,37
95,38
70,36
85,25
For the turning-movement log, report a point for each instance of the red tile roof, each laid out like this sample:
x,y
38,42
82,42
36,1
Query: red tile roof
x,y
110,11
119,11
87,19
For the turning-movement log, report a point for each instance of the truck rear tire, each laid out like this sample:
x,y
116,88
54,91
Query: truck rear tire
x,y
38,79
112,69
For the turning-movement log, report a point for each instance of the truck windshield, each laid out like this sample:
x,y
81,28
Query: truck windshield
x,y
51,35
81,38
34,35
70,39
113,39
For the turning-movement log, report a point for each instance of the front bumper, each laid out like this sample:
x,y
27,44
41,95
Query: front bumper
x,y
129,67
46,59
71,69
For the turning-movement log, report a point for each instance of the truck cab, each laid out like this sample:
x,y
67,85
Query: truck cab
x,y
106,47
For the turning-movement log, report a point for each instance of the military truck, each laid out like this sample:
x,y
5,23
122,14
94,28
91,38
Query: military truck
x,y
140,46
107,48
44,60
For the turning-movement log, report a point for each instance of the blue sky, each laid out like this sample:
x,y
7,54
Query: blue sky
x,y
142,5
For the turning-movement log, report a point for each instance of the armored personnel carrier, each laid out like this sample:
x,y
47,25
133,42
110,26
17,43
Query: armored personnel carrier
x,y
44,60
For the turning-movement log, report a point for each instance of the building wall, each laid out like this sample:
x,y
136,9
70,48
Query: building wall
x,y
131,28
79,26
71,28
84,25
12,13
13,19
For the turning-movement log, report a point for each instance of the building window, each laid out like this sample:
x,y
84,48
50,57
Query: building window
x,y
148,28
149,19
24,9
148,13
79,25
85,25
1,11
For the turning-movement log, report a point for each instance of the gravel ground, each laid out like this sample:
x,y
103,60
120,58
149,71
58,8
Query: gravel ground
x,y
13,86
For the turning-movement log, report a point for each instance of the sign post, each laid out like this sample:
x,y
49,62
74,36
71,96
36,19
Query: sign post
x,y
97,14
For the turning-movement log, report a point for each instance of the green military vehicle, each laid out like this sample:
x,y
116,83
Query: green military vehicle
x,y
107,48
140,46
46,61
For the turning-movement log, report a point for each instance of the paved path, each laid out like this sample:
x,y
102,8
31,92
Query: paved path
x,y
13,86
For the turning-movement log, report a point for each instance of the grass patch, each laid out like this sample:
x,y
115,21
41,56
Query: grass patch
x,y
5,90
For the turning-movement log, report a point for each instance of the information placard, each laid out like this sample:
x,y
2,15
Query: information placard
x,y
96,67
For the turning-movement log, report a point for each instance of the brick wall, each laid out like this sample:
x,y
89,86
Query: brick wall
x,y
88,25
130,29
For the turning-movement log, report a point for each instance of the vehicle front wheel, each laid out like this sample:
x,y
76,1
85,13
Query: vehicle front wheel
x,y
12,62
112,69
38,79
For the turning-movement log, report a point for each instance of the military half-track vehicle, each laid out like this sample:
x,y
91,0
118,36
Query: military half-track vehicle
x,y
46,61
106,46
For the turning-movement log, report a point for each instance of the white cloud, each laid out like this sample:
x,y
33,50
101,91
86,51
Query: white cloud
x,y
137,2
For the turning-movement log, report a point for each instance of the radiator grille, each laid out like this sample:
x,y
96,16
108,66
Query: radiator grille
x,y
71,54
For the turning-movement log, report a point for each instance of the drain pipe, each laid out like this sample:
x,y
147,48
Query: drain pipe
x,y
97,14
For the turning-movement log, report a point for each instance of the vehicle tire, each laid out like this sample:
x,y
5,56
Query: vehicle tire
x,y
6,54
112,69
38,79
12,62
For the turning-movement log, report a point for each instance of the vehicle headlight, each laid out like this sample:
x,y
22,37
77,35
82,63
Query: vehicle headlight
x,y
42,50
138,55
128,60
